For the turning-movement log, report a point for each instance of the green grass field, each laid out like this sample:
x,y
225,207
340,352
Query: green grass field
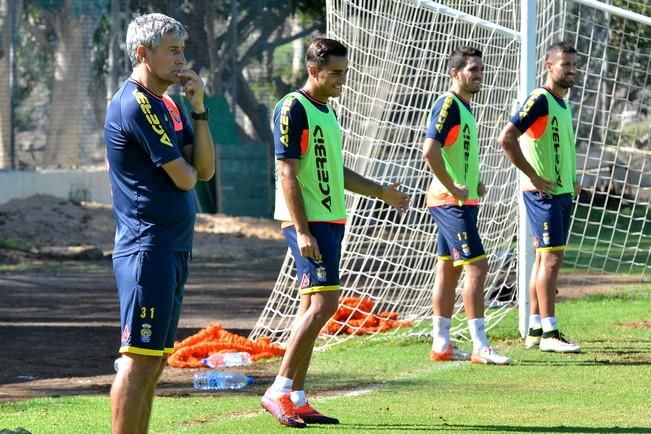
x,y
612,241
388,385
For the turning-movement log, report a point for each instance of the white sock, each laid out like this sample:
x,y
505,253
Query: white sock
x,y
535,322
477,329
298,398
549,324
440,333
281,386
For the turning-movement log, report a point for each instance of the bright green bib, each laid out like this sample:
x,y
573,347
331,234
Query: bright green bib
x,y
321,168
553,155
462,157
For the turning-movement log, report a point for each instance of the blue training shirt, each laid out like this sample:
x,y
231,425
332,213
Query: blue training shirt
x,y
297,128
143,131
534,112
445,120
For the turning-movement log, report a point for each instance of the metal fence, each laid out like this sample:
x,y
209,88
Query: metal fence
x,y
62,60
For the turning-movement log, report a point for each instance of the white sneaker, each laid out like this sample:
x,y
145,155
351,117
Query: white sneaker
x,y
558,344
533,338
488,356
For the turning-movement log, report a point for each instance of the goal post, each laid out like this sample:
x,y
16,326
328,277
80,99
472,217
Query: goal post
x,y
528,58
398,52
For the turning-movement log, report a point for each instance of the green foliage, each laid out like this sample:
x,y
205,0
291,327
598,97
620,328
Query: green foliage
x,y
33,66
11,244
614,241
78,7
388,384
311,7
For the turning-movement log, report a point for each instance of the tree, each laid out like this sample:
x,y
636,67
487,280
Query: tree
x,y
9,11
67,28
235,35
79,62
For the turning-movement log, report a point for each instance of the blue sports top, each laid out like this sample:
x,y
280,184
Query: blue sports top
x,y
297,128
445,121
534,113
143,131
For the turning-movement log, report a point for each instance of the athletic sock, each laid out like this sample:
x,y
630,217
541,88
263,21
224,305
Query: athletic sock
x,y
549,324
477,329
298,398
535,322
440,333
281,386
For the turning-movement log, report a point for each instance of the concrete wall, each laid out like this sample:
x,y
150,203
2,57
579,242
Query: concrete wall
x,y
89,184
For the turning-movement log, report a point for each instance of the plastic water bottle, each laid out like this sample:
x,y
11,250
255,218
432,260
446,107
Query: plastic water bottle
x,y
227,360
216,380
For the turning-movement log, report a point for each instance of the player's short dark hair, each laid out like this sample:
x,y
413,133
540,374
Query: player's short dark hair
x,y
459,57
321,49
560,47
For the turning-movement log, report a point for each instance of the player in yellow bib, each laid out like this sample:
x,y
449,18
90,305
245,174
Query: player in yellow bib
x,y
451,150
546,155
310,204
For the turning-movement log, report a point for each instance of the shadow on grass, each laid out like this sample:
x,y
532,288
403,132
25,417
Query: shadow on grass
x,y
583,362
405,427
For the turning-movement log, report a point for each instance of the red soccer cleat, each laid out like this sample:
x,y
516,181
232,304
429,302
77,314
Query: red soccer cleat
x,y
310,415
283,410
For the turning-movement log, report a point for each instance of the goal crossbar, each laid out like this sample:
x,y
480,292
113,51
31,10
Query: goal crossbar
x,y
454,13
615,10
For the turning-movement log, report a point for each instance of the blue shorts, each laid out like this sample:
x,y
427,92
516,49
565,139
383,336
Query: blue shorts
x,y
550,217
150,288
319,276
458,238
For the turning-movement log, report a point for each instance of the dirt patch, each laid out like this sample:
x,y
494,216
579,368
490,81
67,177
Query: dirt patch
x,y
59,319
58,228
580,285
637,324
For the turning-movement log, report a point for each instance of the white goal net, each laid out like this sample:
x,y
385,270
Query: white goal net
x,y
398,51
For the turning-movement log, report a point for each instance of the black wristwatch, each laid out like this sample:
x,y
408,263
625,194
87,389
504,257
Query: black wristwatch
x,y
201,116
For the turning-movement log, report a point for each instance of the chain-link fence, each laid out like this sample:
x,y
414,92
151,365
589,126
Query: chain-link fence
x,y
62,60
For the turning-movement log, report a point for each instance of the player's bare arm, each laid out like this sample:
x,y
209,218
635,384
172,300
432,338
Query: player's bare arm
x,y
182,174
577,188
287,169
508,140
390,194
434,158
203,150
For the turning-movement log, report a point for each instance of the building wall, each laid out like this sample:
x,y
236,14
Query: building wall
x,y
88,184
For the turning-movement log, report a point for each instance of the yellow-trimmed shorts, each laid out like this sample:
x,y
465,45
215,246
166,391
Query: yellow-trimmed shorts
x,y
150,288
318,276
550,217
458,237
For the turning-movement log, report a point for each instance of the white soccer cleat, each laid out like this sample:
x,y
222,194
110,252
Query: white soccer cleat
x,y
558,344
488,356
